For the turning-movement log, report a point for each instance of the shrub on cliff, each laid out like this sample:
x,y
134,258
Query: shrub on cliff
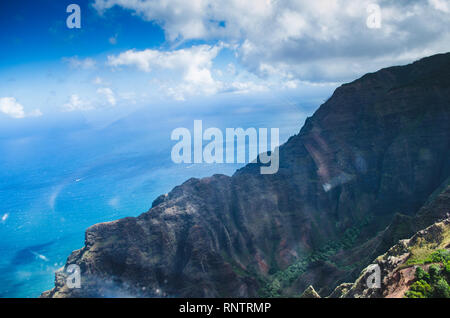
x,y
441,289
433,284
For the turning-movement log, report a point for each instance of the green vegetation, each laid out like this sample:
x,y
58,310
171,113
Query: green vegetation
x,y
427,256
435,282
282,279
426,252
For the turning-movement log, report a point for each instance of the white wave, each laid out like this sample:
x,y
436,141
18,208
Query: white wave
x,y
5,217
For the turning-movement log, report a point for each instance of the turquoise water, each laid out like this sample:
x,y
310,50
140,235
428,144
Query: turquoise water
x,y
58,180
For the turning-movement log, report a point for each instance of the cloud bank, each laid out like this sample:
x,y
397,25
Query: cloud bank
x,y
322,40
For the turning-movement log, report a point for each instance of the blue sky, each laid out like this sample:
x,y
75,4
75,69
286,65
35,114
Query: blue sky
x,y
35,31
130,54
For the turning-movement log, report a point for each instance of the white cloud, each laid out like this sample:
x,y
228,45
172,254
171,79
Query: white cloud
x,y
75,103
321,40
105,97
35,113
188,70
98,80
114,202
442,5
129,97
108,94
11,107
77,63
247,87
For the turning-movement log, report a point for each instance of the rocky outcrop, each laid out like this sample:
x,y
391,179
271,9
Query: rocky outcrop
x,y
398,265
310,292
378,147
341,290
